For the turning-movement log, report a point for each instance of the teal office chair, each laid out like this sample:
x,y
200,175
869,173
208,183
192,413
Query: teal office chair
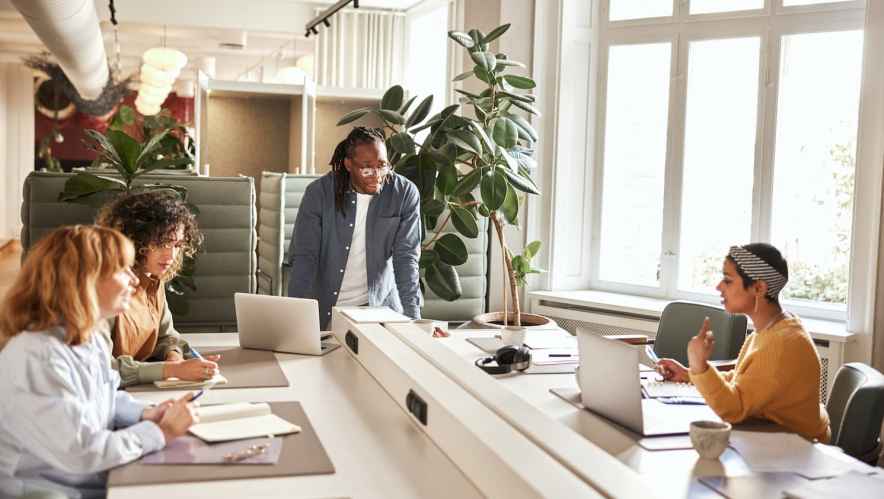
x,y
856,409
682,320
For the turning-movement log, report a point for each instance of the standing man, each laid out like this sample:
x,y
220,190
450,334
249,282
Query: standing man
x,y
356,240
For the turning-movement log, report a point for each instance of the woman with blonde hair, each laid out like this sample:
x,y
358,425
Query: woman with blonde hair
x,y
63,423
146,346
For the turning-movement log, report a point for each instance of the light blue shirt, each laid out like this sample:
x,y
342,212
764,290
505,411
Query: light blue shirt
x,y
61,416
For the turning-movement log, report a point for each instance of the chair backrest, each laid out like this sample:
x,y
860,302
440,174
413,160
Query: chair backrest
x,y
856,409
280,197
681,320
226,218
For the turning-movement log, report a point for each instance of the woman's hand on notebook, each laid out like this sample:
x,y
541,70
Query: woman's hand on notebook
x,y
178,417
190,369
673,370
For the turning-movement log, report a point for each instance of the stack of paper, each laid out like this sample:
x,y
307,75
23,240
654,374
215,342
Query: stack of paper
x,y
553,356
765,451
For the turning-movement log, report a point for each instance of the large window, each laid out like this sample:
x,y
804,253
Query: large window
x,y
723,123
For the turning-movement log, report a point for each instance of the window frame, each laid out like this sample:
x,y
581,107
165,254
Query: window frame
x,y
769,24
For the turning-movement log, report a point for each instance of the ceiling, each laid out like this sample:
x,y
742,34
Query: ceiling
x,y
272,28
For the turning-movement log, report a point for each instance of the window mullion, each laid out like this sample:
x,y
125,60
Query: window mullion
x,y
598,159
762,195
674,163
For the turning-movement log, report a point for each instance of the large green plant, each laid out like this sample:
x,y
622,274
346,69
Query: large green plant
x,y
451,154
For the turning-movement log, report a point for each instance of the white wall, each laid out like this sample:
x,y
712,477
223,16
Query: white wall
x,y
16,143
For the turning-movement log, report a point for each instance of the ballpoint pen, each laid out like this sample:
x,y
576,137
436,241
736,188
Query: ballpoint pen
x,y
651,354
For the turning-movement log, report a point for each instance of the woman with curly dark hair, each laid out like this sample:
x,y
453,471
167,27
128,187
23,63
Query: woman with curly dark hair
x,y
146,346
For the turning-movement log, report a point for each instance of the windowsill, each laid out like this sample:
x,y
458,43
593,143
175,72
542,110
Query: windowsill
x,y
834,331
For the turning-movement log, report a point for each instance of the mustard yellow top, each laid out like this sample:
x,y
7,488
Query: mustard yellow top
x,y
777,378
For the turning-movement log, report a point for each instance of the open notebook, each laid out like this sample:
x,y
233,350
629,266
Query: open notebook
x,y
179,384
223,422
655,389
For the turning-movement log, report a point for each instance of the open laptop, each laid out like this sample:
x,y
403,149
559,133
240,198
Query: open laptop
x,y
280,324
610,386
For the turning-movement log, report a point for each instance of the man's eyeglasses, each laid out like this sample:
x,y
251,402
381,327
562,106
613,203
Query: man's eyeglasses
x,y
372,172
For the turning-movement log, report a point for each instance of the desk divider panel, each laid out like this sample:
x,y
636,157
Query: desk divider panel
x,y
598,469
495,456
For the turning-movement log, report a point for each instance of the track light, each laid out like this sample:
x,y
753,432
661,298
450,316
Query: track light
x,y
327,13
326,23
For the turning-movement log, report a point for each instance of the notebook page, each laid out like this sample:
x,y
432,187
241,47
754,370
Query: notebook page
x,y
656,389
224,412
179,384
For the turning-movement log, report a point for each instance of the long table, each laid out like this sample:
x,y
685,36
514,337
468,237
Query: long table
x,y
375,447
674,472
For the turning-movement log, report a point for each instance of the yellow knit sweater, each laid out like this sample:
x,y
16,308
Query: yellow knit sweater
x,y
777,378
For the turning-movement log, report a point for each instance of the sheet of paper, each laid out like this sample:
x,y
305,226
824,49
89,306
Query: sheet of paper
x,y
178,384
542,339
850,485
765,451
224,412
373,314
548,356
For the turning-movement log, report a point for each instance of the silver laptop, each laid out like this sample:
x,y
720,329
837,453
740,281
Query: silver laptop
x,y
280,324
610,386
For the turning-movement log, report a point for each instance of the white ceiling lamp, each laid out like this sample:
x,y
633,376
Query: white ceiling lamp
x,y
158,73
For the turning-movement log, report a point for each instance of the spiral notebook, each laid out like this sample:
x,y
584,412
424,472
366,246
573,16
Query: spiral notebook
x,y
659,389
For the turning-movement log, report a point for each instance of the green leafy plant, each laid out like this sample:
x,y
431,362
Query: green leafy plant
x,y
450,155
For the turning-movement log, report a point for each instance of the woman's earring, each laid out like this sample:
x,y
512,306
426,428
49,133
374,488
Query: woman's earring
x,y
142,251
756,303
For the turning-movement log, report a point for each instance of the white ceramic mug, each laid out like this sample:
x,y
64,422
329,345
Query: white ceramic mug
x,y
710,438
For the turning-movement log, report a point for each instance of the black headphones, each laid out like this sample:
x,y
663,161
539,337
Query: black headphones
x,y
506,359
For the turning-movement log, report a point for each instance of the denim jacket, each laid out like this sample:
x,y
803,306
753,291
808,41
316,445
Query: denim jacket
x,y
321,241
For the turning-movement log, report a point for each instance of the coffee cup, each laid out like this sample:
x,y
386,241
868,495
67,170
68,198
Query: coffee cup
x,y
710,438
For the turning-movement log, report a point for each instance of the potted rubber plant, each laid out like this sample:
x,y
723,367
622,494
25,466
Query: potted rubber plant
x,y
467,166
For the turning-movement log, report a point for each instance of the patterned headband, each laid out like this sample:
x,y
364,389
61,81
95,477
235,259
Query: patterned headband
x,y
758,270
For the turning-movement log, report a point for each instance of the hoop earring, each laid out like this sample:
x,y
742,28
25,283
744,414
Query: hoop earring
x,y
142,251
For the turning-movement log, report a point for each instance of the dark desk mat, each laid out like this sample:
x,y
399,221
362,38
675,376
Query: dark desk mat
x,y
243,368
302,454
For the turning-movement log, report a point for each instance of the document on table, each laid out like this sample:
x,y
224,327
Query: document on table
x,y
179,384
654,389
373,314
548,339
764,451
238,421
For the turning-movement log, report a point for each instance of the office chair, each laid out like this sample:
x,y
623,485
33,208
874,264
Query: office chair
x,y
682,320
856,409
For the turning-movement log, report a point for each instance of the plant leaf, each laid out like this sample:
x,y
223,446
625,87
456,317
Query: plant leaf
x,y
461,38
407,105
504,132
166,163
532,249
402,142
467,183
507,62
451,249
392,99
493,189
462,76
484,136
485,60
353,115
85,184
521,82
126,147
520,182
426,176
150,149
391,116
447,179
510,206
465,140
433,207
528,108
428,257
526,127
495,33
464,221
443,280
420,112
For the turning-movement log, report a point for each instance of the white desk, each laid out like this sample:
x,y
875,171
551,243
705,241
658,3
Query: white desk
x,y
673,471
376,450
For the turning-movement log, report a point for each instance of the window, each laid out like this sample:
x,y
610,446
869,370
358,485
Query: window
x,y
714,130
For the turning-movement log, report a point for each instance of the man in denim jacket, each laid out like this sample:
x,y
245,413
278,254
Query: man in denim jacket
x,y
357,236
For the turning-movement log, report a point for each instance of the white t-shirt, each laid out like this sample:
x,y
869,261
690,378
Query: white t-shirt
x,y
354,287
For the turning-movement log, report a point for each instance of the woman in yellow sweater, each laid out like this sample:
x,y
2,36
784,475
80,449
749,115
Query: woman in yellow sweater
x,y
778,370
